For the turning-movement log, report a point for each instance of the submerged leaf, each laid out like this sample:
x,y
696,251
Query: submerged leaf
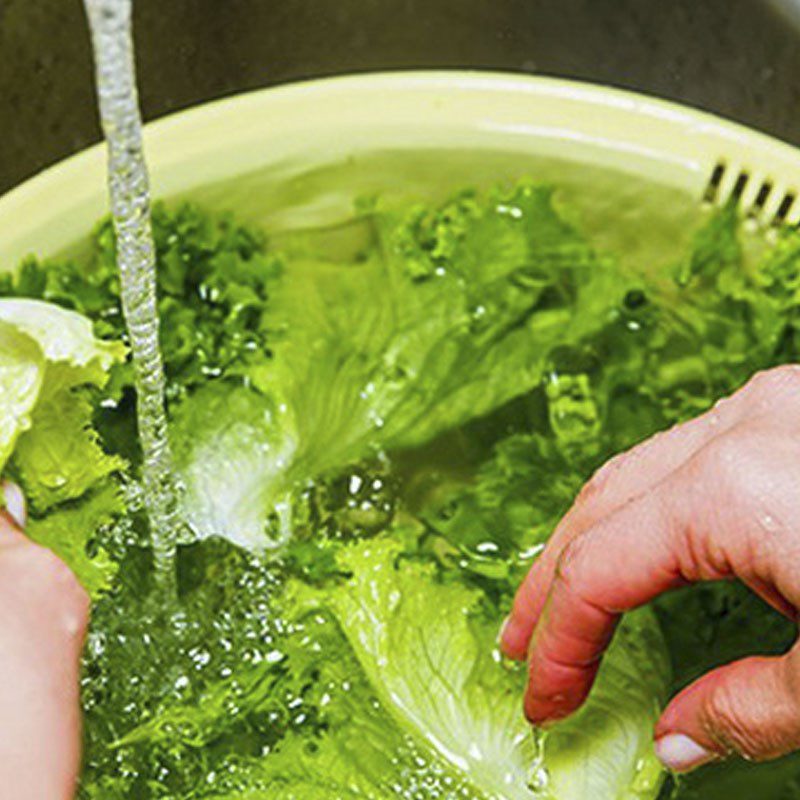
x,y
428,654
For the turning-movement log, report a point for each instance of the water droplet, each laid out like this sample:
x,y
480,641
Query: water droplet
x,y
769,523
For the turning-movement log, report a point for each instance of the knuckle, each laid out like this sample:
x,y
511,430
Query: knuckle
x,y
727,724
788,374
770,386
744,720
598,481
741,502
733,460
751,464
571,559
761,381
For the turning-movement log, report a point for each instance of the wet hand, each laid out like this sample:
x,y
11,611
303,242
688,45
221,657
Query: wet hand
x,y
43,618
716,498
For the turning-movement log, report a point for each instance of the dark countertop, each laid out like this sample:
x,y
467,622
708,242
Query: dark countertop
x,y
739,58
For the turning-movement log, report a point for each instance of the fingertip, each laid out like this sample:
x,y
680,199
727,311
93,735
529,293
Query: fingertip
x,y
747,707
544,712
14,503
555,692
514,638
679,709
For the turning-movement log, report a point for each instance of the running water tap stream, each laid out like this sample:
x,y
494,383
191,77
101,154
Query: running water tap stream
x,y
129,189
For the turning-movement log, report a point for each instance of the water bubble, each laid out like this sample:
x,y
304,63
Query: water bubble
x,y
506,209
769,523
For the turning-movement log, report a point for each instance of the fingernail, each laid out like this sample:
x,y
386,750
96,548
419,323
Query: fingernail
x,y
14,503
680,753
502,632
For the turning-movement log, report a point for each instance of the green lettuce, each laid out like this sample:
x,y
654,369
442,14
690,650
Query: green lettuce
x,y
48,355
46,351
359,754
213,280
50,361
427,649
487,321
70,530
66,339
233,449
448,314
21,370
434,673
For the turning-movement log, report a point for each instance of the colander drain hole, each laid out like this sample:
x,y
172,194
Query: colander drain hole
x,y
757,197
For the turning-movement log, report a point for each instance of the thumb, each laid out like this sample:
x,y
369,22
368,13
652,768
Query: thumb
x,y
750,708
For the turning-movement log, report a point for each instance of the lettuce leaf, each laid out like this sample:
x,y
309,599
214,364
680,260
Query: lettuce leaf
x,y
69,531
213,278
435,674
47,354
21,370
428,653
514,501
449,313
233,447
361,753
49,362
354,751
61,458
65,337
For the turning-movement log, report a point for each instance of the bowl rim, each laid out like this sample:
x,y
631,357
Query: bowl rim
x,y
701,153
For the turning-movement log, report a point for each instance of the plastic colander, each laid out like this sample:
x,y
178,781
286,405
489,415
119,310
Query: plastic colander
x,y
635,168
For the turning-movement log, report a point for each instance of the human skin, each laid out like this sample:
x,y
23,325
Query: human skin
x,y
715,498
43,619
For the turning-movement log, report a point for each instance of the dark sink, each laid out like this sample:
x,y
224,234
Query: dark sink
x,y
739,58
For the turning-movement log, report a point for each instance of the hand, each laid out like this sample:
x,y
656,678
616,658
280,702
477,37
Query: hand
x,y
43,618
715,498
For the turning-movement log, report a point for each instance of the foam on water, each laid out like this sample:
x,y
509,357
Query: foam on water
x,y
129,190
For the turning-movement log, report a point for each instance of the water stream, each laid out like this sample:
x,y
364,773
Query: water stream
x,y
129,189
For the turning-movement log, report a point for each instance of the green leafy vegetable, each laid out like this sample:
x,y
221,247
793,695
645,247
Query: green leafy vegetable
x,y
71,532
66,338
21,370
60,458
233,448
401,409
515,501
213,279
44,350
427,650
452,313
450,316
49,359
